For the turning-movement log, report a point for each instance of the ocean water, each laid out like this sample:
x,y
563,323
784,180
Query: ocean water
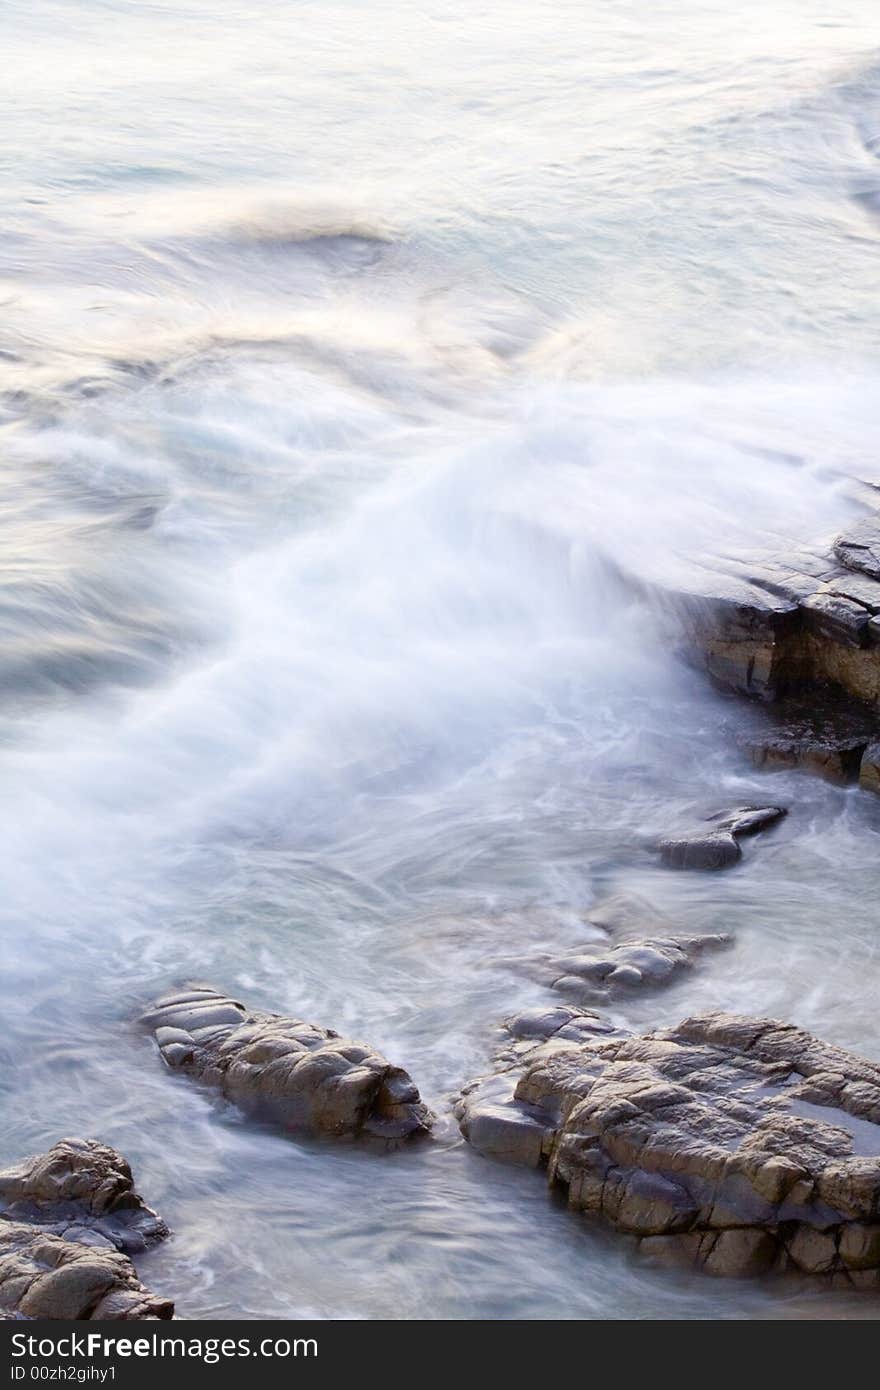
x,y
338,341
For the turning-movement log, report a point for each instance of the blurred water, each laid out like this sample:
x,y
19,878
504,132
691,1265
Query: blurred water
x,y
335,341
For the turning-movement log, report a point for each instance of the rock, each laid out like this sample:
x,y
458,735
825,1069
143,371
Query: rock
x,y
816,734
769,624
859,549
739,1144
290,1073
83,1190
718,846
488,1113
602,972
44,1276
560,1021
649,952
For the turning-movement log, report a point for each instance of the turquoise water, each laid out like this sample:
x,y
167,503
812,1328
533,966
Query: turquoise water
x,y
337,342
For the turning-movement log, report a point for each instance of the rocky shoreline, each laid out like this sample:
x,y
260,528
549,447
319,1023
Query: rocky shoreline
x,y
739,1146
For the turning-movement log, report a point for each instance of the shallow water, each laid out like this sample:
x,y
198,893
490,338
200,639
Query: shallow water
x,y
336,340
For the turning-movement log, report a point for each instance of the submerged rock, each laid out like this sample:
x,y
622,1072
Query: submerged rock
x,y
294,1074
599,971
717,847
82,1190
639,949
45,1276
739,1144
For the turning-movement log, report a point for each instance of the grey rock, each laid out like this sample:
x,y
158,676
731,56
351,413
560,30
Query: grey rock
x,y
290,1073
742,1145
490,1116
717,846
869,768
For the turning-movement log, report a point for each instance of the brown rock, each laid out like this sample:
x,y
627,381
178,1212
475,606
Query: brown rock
x,y
294,1074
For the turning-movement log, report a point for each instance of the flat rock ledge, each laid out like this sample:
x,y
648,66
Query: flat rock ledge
x,y
67,1217
737,1144
289,1073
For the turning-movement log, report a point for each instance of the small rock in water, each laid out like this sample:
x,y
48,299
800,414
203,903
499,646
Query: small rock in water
x,y
738,1144
293,1074
718,847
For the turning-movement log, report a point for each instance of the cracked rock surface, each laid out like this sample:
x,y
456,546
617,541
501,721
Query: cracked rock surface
x,y
739,1144
293,1074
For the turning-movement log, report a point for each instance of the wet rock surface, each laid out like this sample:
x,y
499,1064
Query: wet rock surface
x,y
815,733
715,844
290,1073
45,1276
859,548
739,1144
82,1190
